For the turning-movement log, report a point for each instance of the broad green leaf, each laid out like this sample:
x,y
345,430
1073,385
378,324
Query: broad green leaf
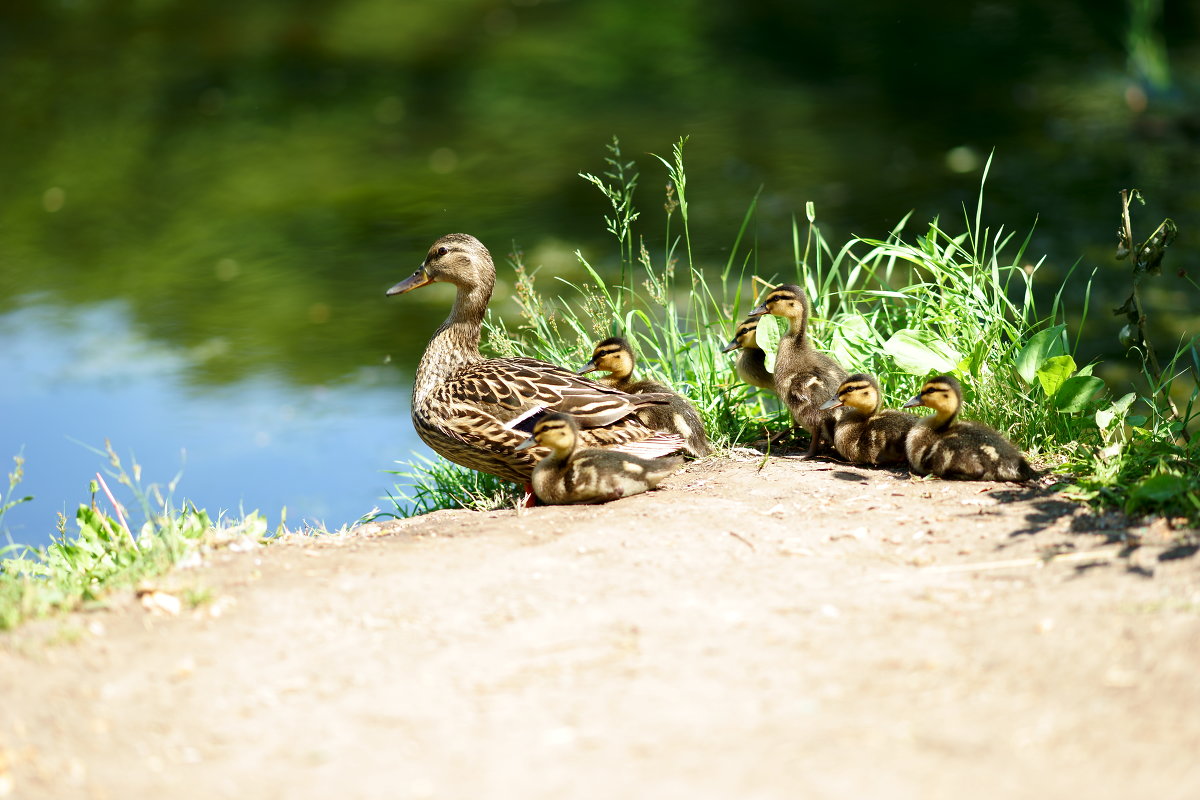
x,y
1122,405
1076,393
921,352
853,338
1053,373
1041,346
1107,417
1157,489
770,331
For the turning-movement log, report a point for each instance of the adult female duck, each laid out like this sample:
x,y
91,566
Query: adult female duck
x,y
475,411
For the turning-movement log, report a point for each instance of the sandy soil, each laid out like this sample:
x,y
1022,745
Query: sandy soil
x,y
809,630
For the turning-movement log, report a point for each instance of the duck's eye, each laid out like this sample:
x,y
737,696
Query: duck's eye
x,y
441,251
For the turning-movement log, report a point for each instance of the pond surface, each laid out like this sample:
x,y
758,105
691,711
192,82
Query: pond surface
x,y
204,201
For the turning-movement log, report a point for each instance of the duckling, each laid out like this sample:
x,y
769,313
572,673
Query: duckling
x,y
952,448
570,474
751,365
804,378
615,356
864,434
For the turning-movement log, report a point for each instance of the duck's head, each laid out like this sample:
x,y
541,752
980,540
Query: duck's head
x,y
787,300
555,430
943,394
612,355
744,338
456,258
860,392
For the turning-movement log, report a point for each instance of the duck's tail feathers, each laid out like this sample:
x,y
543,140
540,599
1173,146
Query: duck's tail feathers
x,y
660,444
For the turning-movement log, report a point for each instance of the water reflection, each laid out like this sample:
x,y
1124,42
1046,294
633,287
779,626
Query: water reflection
x,y
74,378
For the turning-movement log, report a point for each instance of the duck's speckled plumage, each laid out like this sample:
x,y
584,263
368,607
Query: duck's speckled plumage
x,y
464,405
615,356
804,379
571,474
865,434
751,364
949,447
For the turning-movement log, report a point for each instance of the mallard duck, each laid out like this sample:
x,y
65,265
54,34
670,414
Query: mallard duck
x,y
751,364
615,356
949,447
571,474
864,434
475,410
804,378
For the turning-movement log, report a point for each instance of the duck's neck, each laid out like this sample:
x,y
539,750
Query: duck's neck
x,y
798,330
619,381
455,344
562,455
941,420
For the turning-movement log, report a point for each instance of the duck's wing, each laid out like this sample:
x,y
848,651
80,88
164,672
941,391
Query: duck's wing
x,y
510,389
493,405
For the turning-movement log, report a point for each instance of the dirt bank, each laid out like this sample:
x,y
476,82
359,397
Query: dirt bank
x,y
807,630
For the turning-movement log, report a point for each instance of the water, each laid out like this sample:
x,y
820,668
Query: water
x,y
203,204
257,444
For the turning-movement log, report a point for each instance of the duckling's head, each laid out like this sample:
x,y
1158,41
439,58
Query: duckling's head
x,y
612,355
744,338
456,258
943,394
860,392
788,301
555,430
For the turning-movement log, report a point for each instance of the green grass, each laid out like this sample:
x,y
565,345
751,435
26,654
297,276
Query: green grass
x,y
105,551
946,299
435,483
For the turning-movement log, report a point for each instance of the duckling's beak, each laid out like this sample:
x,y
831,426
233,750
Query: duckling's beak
x,y
758,311
591,367
414,281
528,443
833,403
916,401
730,347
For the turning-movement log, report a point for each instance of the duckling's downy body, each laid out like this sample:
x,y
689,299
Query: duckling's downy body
x,y
804,379
571,474
470,409
615,356
751,365
952,448
865,434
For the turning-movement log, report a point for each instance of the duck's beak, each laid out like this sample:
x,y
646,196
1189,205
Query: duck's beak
x,y
758,311
730,347
916,401
834,403
414,281
591,367
525,445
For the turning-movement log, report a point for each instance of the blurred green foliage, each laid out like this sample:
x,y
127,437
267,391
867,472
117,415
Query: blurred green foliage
x,y
249,176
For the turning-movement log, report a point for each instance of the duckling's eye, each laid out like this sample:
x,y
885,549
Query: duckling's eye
x,y
442,251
